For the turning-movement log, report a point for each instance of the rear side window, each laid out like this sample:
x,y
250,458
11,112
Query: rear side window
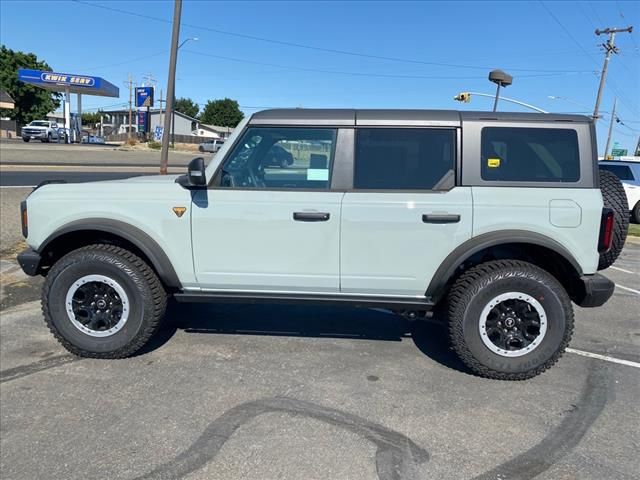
x,y
530,155
623,172
404,159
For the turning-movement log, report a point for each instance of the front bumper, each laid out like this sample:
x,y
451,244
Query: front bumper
x,y
34,136
595,290
30,261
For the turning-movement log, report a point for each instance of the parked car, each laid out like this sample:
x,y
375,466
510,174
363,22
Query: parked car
x,y
628,171
499,220
43,130
212,145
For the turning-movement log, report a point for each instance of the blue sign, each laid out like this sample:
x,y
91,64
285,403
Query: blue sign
x,y
144,97
158,133
60,82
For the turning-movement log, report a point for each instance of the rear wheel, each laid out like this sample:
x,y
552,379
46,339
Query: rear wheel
x,y
614,197
25,139
102,301
509,320
636,213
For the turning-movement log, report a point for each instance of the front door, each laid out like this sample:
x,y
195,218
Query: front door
x,y
270,223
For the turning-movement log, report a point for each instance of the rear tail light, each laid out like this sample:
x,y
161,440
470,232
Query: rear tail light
x,y
24,219
606,230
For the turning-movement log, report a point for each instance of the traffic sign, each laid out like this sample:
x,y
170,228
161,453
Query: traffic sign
x,y
619,152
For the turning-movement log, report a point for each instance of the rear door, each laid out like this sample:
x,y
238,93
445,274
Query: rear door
x,y
405,214
267,225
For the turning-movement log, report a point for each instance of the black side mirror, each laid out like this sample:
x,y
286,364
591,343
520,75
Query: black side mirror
x,y
196,175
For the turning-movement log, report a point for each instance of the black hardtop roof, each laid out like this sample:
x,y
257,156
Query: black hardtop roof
x,y
378,117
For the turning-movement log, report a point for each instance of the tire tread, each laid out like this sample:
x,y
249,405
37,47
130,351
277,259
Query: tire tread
x,y
470,283
149,325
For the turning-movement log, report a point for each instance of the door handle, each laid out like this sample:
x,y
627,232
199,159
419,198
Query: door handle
x,y
440,218
311,216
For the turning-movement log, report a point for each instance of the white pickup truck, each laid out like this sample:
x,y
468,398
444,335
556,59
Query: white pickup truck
x,y
43,130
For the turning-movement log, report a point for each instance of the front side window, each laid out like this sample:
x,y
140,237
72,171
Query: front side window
x,y
530,155
404,159
281,158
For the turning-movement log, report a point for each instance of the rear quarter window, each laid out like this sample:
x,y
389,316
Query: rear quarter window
x,y
530,154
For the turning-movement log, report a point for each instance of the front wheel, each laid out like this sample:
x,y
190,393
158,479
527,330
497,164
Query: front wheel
x,y
102,301
509,320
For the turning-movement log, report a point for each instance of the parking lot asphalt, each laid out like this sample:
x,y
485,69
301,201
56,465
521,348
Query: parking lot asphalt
x,y
291,392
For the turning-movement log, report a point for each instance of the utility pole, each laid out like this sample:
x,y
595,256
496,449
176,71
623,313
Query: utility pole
x,y
160,102
130,84
613,119
171,85
610,48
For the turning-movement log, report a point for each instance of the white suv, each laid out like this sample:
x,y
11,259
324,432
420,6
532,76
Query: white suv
x,y
501,220
628,171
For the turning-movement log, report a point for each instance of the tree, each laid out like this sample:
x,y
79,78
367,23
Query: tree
x,y
224,113
31,102
187,106
91,118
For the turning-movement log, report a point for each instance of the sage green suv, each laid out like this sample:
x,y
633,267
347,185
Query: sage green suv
x,y
492,222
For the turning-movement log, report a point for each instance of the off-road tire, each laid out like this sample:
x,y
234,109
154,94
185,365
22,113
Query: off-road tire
x,y
146,294
614,198
475,288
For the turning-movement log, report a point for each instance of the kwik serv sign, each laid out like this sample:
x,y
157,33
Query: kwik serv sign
x,y
61,78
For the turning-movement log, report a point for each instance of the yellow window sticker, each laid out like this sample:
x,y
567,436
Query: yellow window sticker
x,y
493,162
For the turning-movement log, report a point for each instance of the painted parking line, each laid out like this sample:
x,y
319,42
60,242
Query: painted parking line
x,y
606,358
632,290
623,270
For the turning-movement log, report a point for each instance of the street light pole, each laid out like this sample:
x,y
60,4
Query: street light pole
x,y
173,109
171,85
466,97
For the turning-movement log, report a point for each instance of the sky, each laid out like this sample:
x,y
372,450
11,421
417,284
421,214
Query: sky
x,y
346,54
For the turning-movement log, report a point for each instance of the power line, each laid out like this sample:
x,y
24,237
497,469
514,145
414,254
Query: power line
x,y
551,14
360,74
593,9
579,45
316,48
101,67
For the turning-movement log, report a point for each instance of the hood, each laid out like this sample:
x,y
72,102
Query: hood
x,y
146,179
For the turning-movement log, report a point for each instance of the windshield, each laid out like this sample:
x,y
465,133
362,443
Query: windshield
x,y
39,124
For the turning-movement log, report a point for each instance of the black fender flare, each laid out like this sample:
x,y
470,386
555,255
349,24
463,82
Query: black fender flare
x,y
474,245
134,235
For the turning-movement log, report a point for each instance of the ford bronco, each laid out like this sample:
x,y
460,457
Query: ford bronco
x,y
493,222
